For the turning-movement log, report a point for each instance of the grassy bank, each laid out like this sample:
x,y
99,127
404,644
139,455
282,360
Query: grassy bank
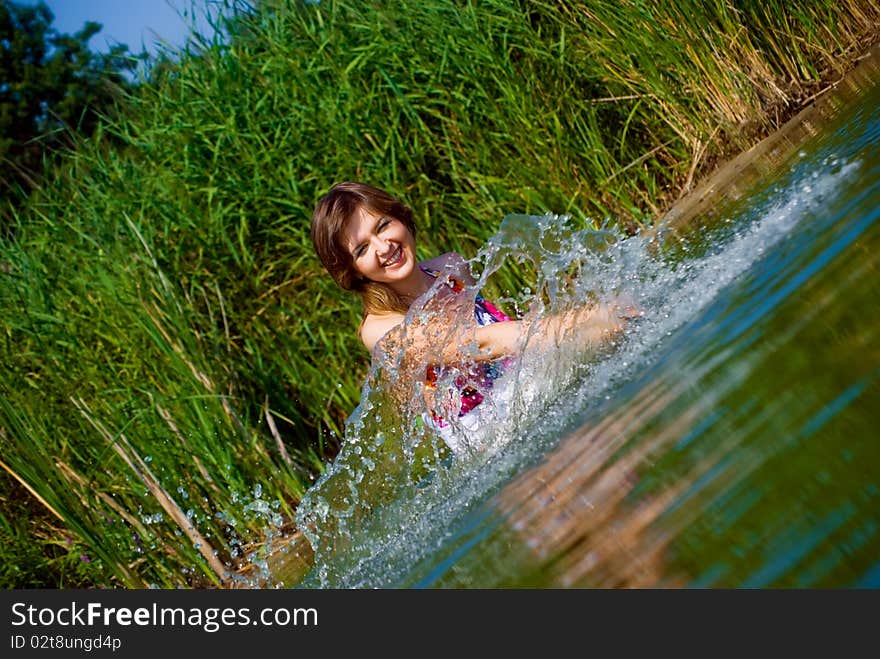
x,y
177,367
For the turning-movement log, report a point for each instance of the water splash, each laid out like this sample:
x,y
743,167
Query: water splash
x,y
396,487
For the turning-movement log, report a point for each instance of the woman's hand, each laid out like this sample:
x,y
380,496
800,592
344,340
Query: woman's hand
x,y
626,308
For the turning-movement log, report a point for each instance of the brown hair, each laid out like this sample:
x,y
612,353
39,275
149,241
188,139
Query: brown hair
x,y
329,221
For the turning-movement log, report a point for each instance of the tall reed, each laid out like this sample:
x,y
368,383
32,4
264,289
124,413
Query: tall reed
x,y
177,367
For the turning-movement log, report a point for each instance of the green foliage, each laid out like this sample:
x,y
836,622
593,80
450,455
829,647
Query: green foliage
x,y
39,552
177,366
50,84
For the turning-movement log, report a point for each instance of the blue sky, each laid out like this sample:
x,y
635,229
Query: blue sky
x,y
136,23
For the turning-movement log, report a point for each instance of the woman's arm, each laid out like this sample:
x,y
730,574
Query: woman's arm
x,y
587,327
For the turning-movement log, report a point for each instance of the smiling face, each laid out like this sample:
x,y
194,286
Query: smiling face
x,y
365,239
382,248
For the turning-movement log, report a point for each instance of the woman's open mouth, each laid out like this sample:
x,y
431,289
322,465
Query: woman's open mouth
x,y
395,258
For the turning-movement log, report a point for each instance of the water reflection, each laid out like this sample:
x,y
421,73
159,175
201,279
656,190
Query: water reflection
x,y
748,457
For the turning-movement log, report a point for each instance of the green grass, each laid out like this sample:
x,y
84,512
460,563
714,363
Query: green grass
x,y
177,366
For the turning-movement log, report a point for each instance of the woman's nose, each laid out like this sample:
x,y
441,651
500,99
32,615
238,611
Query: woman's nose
x,y
381,245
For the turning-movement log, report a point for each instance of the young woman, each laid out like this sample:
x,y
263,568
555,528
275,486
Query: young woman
x,y
365,238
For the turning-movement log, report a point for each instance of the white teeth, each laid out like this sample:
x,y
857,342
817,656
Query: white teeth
x,y
394,258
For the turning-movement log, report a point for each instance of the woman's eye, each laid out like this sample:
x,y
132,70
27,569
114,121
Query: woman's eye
x,y
359,252
384,223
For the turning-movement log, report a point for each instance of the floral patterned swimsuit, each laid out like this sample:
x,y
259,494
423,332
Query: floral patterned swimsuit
x,y
480,377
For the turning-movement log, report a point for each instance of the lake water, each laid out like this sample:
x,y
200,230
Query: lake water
x,y
731,437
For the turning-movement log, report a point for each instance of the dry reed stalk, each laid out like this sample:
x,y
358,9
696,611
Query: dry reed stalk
x,y
270,421
199,375
25,485
124,449
166,416
135,523
638,160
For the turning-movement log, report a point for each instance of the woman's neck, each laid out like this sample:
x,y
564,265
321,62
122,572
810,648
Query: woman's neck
x,y
413,286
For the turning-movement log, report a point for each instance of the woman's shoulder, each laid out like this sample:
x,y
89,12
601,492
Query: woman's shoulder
x,y
451,263
376,325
